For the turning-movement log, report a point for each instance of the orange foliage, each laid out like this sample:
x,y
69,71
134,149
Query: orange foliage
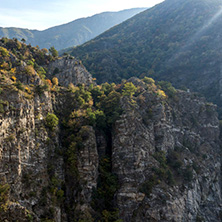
x,y
45,51
48,81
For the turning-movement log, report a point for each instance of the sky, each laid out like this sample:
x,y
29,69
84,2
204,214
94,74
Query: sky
x,y
42,14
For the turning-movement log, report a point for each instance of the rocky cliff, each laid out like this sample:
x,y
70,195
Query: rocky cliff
x,y
27,154
137,151
69,70
179,139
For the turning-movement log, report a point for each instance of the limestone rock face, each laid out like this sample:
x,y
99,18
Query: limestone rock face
x,y
69,70
87,165
27,75
184,129
165,153
34,173
25,146
31,163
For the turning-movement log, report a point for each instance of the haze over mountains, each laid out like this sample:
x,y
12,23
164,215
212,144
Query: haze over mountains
x,y
71,34
177,40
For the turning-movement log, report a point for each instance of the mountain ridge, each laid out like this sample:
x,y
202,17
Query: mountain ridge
x,y
72,33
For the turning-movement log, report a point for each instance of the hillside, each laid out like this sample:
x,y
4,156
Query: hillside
x,y
177,41
137,151
71,34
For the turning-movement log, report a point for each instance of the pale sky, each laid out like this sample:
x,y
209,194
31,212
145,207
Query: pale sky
x,y
42,14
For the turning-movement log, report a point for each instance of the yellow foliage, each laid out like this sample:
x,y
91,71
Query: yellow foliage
x,y
3,72
5,65
94,79
28,90
13,70
99,87
19,45
55,81
13,78
4,51
149,80
78,113
28,95
91,102
30,70
73,88
161,93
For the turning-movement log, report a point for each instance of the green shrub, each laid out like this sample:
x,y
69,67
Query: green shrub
x,y
19,85
148,185
39,89
10,138
168,88
4,52
4,196
72,157
174,161
102,198
60,195
56,70
53,52
188,174
149,80
161,158
163,173
2,108
51,121
30,218
41,72
30,63
129,89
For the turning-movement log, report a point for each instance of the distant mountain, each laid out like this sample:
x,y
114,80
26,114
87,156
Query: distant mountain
x,y
177,41
71,34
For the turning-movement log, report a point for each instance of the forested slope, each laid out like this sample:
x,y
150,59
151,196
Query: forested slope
x,y
177,40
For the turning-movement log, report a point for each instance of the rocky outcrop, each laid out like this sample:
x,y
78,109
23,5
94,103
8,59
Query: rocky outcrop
x,y
87,165
32,165
185,130
160,157
69,70
26,147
